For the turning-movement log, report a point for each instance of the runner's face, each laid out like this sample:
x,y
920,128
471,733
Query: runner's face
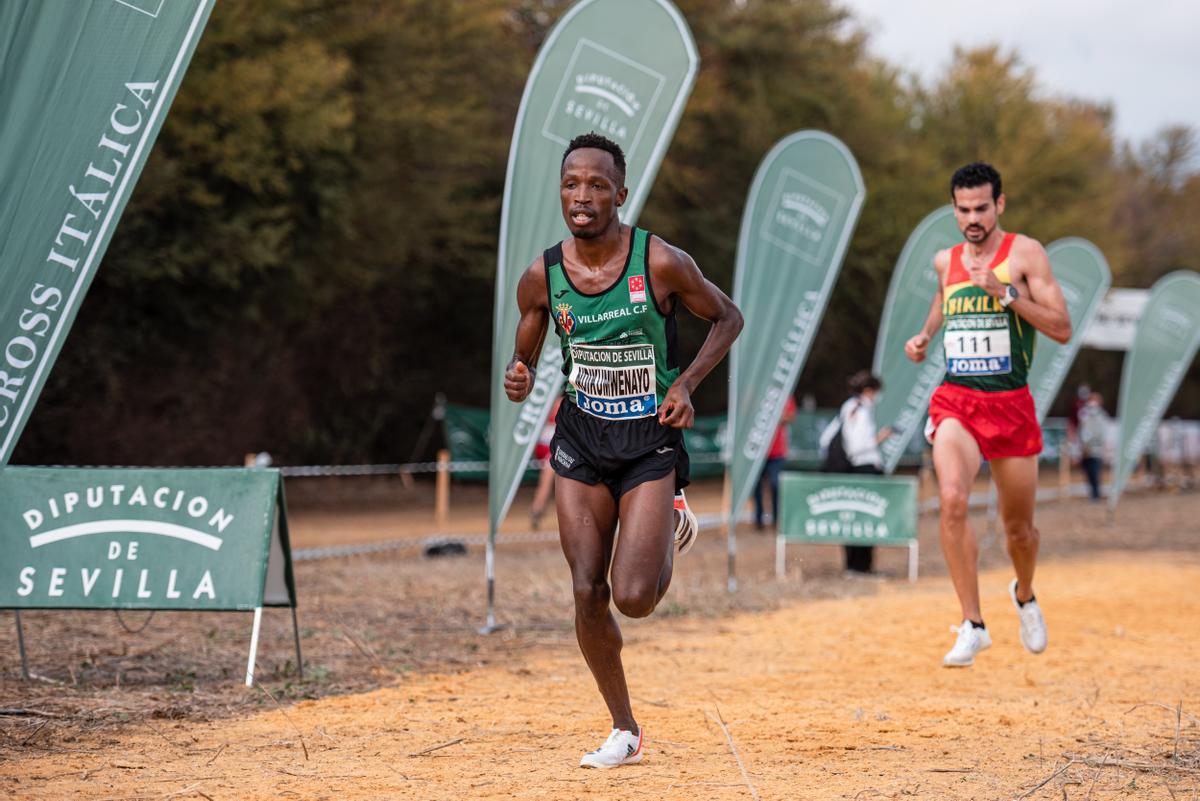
x,y
591,192
977,213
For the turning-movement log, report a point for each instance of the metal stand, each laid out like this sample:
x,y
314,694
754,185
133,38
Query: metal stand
x,y
780,556
912,561
21,646
490,571
253,646
296,634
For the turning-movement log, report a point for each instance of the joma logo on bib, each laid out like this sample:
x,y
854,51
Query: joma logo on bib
x,y
978,346
614,382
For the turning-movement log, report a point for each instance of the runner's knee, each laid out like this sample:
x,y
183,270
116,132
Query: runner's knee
x,y
636,600
954,499
591,595
1021,532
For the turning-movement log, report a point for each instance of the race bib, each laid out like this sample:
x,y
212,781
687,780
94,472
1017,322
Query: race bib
x,y
978,345
614,382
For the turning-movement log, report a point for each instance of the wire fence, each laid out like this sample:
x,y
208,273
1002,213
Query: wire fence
x,y
416,468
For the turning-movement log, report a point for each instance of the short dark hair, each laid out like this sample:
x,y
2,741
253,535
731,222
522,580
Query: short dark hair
x,y
598,142
977,173
863,380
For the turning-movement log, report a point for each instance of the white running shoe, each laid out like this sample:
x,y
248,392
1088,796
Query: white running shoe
x,y
686,525
970,642
1033,625
621,748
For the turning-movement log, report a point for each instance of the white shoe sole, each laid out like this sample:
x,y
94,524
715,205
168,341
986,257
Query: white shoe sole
x,y
633,760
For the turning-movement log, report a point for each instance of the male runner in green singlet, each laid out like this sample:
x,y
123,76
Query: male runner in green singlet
x,y
995,289
611,293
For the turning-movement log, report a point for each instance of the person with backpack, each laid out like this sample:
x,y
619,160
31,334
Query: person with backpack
x,y
850,444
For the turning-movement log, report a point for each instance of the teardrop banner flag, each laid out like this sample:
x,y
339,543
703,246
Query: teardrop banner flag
x,y
621,68
796,225
907,386
1163,348
1082,272
84,90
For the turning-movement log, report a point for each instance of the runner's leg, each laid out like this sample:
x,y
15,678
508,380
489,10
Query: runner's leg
x,y
642,563
1016,492
587,520
956,460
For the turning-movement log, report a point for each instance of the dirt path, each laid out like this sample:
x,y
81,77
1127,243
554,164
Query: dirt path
x,y
838,699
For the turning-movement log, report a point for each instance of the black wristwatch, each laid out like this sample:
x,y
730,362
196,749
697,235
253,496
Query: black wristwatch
x,y
1010,294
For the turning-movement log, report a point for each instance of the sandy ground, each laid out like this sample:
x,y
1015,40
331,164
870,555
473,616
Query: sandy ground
x,y
837,699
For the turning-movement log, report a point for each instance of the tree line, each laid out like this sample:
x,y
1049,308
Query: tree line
x,y
310,253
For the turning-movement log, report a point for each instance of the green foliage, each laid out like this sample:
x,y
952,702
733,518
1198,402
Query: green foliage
x,y
309,255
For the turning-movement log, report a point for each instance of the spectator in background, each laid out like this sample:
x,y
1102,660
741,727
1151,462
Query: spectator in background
x,y
1093,434
851,445
1082,393
545,487
776,457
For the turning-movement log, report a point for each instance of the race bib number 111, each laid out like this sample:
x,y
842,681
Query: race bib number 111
x,y
978,345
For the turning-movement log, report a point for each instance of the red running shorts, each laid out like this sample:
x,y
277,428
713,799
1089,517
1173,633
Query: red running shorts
x,y
1003,424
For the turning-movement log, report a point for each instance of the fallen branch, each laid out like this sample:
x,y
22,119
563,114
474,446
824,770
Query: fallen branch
x,y
41,726
213,758
733,750
1128,763
433,748
286,717
1095,776
32,713
1045,781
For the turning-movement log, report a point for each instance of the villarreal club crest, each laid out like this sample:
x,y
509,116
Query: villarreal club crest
x,y
566,318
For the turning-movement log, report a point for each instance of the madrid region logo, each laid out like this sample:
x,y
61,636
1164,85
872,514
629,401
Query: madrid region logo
x,y
566,318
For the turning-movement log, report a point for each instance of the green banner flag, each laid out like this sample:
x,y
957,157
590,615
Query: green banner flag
x,y
907,386
621,68
799,215
84,90
1082,272
1163,348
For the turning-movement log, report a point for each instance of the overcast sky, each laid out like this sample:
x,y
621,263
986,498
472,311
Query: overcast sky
x,y
1142,57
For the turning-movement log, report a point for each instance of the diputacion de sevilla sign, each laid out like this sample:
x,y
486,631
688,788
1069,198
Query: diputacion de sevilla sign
x,y
206,539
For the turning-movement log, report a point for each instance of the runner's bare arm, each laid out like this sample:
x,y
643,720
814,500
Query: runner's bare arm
x,y
531,332
1043,305
674,272
1040,301
916,346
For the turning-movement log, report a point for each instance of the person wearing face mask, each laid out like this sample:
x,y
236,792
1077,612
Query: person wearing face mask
x,y
851,444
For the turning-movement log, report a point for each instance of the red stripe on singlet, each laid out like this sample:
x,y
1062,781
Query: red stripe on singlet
x,y
958,273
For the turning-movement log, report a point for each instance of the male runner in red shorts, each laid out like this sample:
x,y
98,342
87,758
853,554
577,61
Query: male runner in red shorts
x,y
996,288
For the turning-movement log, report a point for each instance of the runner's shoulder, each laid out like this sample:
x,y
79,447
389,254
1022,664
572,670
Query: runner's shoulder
x,y
1026,246
1027,252
667,259
941,262
533,281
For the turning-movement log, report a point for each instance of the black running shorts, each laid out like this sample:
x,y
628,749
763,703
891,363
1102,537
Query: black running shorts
x,y
618,453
